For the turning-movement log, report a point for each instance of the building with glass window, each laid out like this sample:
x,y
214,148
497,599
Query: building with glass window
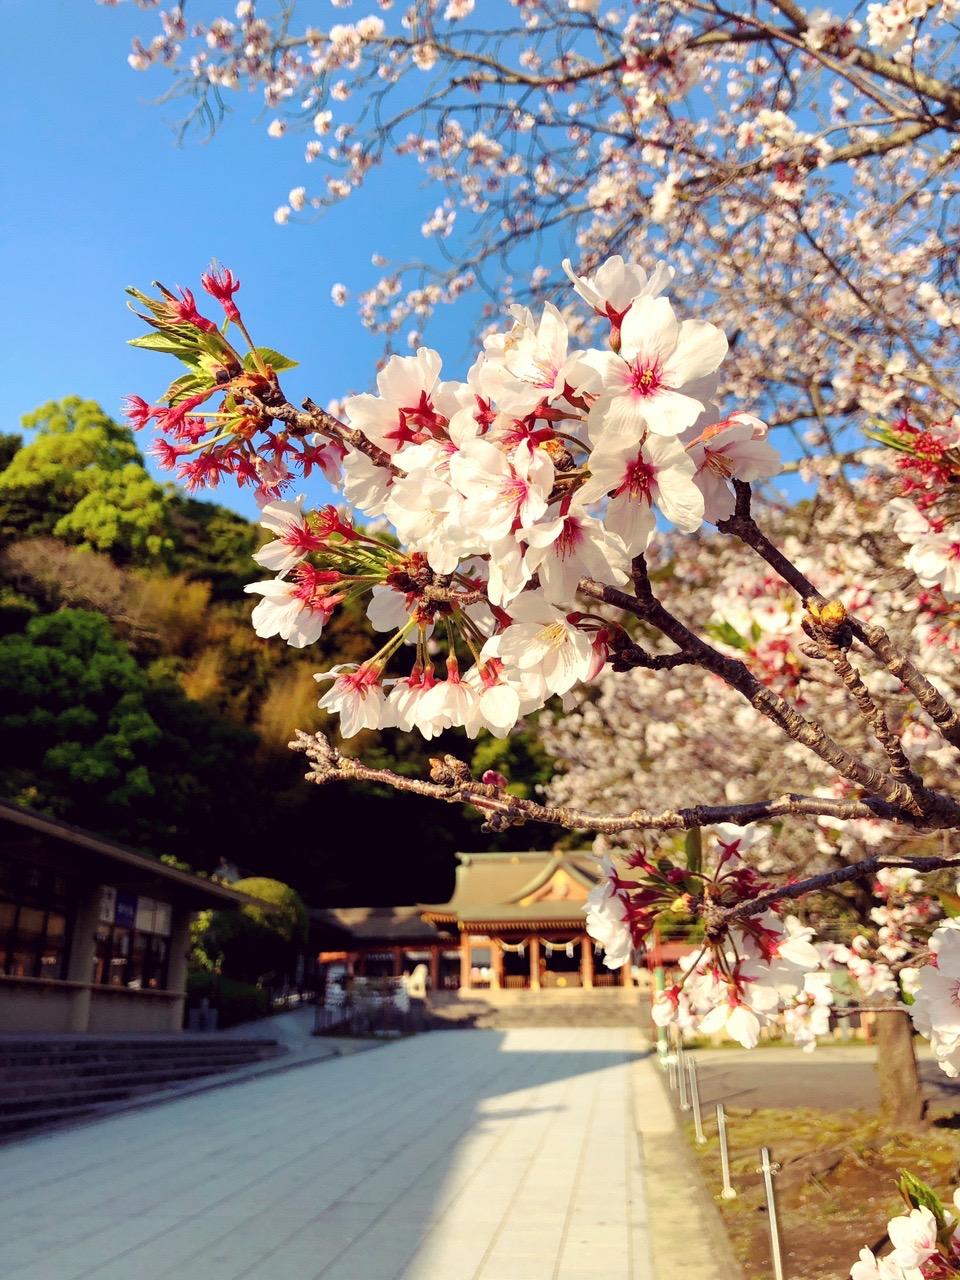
x,y
93,936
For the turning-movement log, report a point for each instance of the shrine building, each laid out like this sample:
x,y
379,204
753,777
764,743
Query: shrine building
x,y
515,922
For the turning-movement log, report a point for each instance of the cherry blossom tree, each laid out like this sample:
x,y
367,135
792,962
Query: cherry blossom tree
x,y
512,519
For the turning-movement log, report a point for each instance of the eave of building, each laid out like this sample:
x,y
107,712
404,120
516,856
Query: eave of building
x,y
524,926
195,889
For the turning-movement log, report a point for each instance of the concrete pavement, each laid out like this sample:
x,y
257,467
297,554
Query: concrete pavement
x,y
460,1155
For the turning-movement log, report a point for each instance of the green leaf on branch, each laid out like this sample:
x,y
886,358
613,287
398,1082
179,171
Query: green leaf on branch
x,y
727,634
186,385
950,903
274,359
918,1195
161,342
693,847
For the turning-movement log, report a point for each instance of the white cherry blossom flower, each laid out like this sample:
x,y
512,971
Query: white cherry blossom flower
x,y
365,485
357,697
638,476
935,559
542,641
869,1267
504,493
572,547
606,911
294,539
735,449
914,1237
662,378
526,365
411,401
616,284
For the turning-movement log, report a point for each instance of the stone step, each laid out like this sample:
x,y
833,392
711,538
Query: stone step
x,y
50,1080
572,1011
23,1057
118,1064
45,1086
14,1125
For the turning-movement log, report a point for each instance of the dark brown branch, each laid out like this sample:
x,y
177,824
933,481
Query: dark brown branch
x,y
452,782
743,525
718,918
929,697
736,674
900,766
312,418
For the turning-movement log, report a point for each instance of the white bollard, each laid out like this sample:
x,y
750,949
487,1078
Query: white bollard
x,y
695,1101
768,1169
726,1192
682,1073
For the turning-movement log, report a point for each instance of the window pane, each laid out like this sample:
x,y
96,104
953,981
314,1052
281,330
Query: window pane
x,y
8,913
56,926
118,958
101,961
30,922
158,957
22,963
135,969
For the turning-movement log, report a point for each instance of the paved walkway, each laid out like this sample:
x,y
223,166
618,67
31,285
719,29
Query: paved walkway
x,y
458,1155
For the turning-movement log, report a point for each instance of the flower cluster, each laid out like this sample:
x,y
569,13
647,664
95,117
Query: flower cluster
x,y
936,998
547,465
925,1240
743,975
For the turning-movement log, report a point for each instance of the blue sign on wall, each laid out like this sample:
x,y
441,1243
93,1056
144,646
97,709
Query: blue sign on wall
x,y
126,909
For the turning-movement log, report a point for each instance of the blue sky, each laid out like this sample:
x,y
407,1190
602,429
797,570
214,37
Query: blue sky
x,y
98,195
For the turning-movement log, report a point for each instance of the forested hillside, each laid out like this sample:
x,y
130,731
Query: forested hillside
x,y
136,700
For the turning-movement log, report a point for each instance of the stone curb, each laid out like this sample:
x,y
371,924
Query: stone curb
x,y
688,1239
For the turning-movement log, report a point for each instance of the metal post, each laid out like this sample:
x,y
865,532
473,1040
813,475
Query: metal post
x,y
659,984
695,1101
726,1192
682,1071
672,1070
768,1169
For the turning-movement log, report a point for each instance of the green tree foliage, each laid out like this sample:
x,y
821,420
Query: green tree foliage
x,y
261,940
86,735
82,479
72,713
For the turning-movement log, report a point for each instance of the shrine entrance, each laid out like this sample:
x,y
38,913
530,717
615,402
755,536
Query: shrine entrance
x,y
562,960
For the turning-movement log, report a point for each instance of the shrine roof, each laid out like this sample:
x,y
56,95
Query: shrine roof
x,y
375,924
518,886
509,889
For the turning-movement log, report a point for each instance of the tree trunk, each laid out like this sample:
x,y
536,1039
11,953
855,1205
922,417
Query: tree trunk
x,y
902,1104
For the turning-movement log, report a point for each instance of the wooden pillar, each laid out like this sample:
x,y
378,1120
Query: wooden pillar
x,y
83,950
177,963
397,961
497,957
586,961
466,957
626,975
435,968
534,964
